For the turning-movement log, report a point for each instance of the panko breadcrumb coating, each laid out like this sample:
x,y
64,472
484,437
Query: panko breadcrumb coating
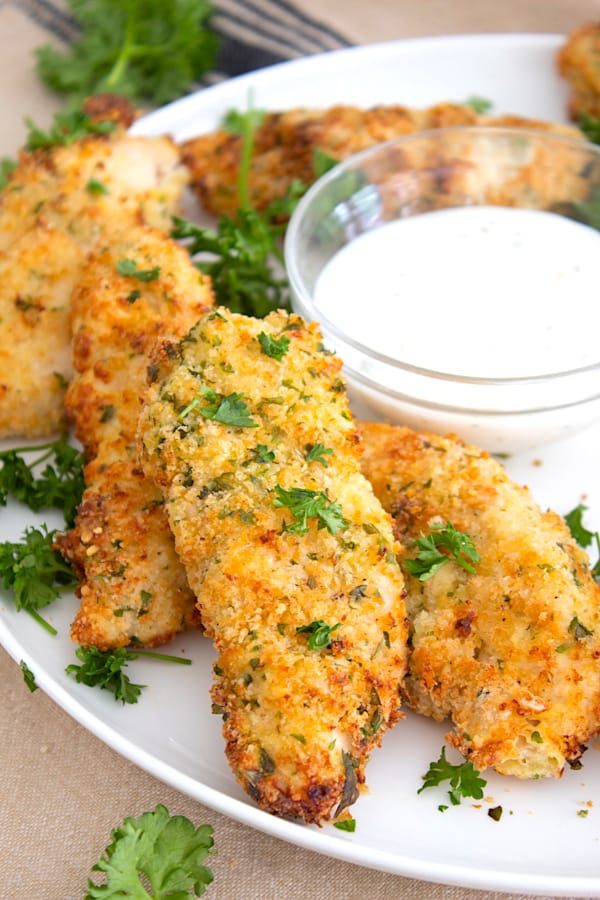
x,y
133,588
247,431
579,63
285,145
58,203
509,653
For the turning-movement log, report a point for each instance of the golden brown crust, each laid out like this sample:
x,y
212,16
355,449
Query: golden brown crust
x,y
110,108
510,653
132,587
285,144
579,63
299,722
56,206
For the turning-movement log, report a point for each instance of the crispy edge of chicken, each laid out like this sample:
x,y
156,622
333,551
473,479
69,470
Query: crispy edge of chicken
x,y
285,144
133,589
511,652
578,62
299,720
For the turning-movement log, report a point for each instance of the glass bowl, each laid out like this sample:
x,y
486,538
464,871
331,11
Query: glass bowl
x,y
438,327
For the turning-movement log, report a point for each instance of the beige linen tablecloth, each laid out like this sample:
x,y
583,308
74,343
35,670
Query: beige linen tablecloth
x,y
62,790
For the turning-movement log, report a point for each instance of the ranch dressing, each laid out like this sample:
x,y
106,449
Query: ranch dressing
x,y
477,291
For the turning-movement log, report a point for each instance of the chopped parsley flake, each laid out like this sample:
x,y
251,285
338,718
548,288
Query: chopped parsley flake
x,y
319,634
305,504
129,268
276,348
430,558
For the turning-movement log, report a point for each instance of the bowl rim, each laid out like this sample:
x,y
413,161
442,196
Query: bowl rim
x,y
302,297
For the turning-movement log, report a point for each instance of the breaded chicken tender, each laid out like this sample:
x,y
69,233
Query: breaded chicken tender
x,y
133,588
58,204
247,431
579,63
286,142
510,652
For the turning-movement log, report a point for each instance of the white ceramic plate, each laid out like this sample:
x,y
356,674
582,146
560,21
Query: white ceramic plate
x,y
541,844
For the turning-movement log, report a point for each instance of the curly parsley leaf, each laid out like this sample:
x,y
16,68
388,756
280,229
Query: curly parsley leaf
x,y
34,572
275,348
161,851
66,128
58,485
229,410
319,634
146,50
317,453
104,669
443,544
465,780
305,504
238,258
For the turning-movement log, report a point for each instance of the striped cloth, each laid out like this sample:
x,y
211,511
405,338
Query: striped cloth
x,y
252,33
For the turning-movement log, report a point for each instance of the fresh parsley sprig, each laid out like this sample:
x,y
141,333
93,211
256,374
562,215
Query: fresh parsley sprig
x,y
244,258
34,572
163,852
443,544
104,669
238,258
59,484
147,50
465,780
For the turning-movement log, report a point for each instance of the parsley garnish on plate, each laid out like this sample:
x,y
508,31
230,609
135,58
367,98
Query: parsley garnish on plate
x,y
238,258
35,572
458,547
59,484
465,780
160,852
104,669
28,676
147,50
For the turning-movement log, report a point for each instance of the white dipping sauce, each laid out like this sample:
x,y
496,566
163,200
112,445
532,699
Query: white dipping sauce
x,y
481,291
